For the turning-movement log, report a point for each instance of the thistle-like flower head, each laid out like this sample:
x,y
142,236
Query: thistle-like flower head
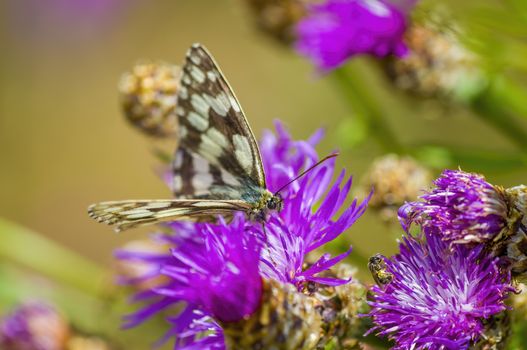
x,y
337,30
463,208
439,296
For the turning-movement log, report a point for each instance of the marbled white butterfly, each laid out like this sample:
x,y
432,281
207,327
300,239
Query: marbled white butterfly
x,y
217,168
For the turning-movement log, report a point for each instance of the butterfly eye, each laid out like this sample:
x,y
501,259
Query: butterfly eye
x,y
271,204
275,203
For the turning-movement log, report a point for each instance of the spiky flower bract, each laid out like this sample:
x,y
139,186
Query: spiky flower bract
x,y
337,30
440,296
463,207
217,270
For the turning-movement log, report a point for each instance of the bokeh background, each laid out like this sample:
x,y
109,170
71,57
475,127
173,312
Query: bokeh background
x,y
65,144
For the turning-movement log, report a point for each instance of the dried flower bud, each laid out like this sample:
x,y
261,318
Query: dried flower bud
x,y
496,332
512,243
340,307
34,326
395,180
286,319
437,64
149,98
277,18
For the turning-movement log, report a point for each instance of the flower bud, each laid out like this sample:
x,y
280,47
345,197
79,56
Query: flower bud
x,y
395,180
496,332
340,307
437,64
277,18
149,98
34,326
286,319
512,243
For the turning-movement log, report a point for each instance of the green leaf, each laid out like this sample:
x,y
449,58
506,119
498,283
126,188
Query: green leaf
x,y
29,249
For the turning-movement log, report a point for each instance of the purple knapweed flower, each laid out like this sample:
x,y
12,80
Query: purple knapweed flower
x,y
212,269
298,229
439,295
220,273
463,207
35,326
337,30
217,269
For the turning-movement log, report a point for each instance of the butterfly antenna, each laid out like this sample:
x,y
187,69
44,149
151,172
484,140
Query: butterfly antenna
x,y
307,171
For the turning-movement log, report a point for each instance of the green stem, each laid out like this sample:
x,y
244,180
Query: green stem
x,y
356,92
25,247
487,105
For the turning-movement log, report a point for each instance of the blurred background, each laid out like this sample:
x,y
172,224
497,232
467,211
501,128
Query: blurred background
x,y
65,144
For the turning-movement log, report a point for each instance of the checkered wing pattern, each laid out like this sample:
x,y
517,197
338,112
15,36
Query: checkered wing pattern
x,y
133,213
218,155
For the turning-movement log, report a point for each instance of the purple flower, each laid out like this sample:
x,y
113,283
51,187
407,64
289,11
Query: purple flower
x,y
213,270
298,229
219,272
463,207
340,29
439,295
33,326
217,269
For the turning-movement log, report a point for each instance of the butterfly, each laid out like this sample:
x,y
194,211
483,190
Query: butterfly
x,y
217,168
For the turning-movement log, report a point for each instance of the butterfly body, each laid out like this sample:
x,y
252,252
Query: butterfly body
x,y
217,168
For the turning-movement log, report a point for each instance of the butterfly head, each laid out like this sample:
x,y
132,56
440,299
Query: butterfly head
x,y
269,202
275,202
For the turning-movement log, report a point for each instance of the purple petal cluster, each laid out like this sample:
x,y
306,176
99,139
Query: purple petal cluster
x,y
439,295
337,30
211,269
462,208
216,270
219,272
35,326
298,229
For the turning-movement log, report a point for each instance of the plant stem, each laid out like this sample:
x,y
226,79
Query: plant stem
x,y
25,247
356,92
487,105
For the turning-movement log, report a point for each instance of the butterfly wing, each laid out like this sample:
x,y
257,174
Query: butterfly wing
x,y
218,155
194,177
133,213
217,168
